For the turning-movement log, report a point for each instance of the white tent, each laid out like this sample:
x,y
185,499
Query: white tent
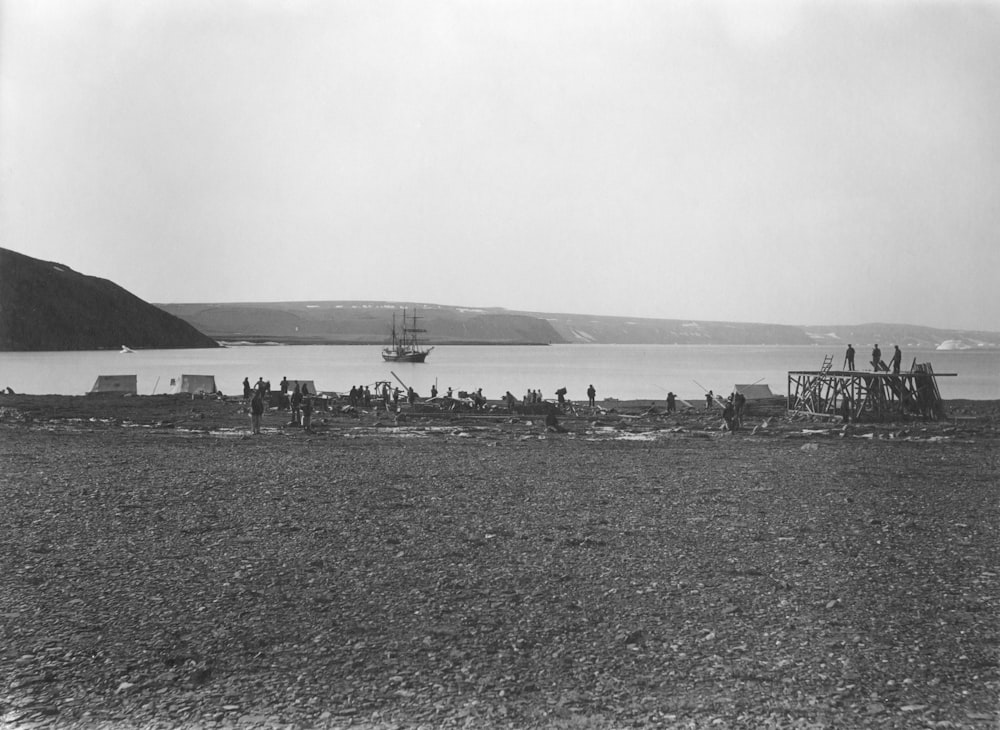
x,y
308,383
193,384
754,391
115,384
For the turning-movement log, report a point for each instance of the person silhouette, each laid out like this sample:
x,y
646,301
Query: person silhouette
x,y
897,358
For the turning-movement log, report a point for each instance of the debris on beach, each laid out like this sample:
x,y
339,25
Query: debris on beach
x,y
472,570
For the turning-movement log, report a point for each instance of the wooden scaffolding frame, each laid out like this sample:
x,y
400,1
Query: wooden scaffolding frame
x,y
866,396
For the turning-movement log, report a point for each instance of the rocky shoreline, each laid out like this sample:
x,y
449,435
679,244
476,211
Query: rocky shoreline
x,y
623,569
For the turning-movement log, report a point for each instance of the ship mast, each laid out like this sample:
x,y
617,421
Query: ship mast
x,y
410,333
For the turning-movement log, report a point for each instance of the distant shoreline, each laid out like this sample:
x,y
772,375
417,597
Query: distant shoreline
x,y
305,341
285,342
309,342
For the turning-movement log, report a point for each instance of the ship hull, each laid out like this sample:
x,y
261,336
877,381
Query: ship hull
x,y
404,346
404,356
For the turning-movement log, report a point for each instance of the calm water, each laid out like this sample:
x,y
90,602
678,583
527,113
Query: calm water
x,y
621,371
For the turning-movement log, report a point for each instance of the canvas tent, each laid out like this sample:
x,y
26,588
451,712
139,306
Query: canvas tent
x,y
282,400
755,391
115,384
193,384
308,383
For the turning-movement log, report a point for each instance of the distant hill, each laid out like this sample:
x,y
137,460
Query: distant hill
x,y
582,328
48,306
360,323
369,322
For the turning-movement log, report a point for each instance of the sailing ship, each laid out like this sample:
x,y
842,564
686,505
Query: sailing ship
x,y
405,346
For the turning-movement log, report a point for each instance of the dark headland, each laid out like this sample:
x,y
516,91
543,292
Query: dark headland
x,y
47,306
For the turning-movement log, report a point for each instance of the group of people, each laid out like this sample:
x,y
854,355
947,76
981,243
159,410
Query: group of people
x,y
732,412
876,361
531,397
361,396
262,386
534,397
300,402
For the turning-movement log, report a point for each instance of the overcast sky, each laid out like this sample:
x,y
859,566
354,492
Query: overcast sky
x,y
788,162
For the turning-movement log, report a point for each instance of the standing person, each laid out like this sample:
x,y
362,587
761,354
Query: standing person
x,y
591,395
434,391
307,413
260,385
729,414
876,358
296,406
671,402
284,385
709,397
849,357
256,412
740,403
247,390
897,358
367,398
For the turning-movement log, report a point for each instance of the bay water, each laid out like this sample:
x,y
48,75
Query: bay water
x,y
617,371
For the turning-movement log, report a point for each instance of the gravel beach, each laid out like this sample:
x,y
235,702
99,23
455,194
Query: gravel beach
x,y
164,569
